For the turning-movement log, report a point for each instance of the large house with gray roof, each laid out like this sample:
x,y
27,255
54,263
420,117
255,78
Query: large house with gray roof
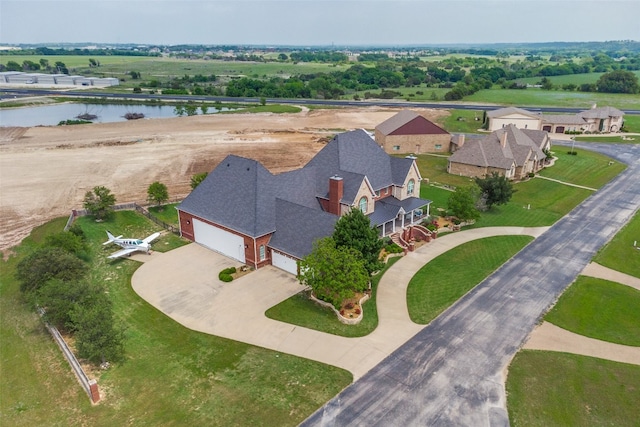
x,y
510,151
594,120
249,214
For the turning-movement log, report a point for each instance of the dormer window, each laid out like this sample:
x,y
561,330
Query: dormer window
x,y
363,204
410,187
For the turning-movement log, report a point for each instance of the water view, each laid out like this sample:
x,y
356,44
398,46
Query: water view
x,y
51,115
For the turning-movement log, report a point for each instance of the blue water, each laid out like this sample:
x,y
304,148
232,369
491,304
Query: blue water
x,y
51,115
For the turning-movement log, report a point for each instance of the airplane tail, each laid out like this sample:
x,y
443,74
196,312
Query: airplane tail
x,y
111,238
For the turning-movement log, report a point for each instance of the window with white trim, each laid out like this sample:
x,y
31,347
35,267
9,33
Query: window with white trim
x,y
363,204
262,253
410,187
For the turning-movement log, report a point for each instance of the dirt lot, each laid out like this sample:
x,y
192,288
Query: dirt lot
x,y
45,171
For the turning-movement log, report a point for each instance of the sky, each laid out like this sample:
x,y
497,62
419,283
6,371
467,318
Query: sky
x,y
317,22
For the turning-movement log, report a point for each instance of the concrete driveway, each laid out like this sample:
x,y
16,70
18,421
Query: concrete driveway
x,y
184,285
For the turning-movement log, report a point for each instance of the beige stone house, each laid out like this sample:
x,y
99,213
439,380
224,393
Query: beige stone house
x,y
410,133
511,152
596,119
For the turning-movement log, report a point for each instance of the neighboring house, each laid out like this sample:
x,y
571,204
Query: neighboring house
x,y
511,152
245,212
603,119
409,133
522,119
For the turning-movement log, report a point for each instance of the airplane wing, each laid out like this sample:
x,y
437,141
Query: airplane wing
x,y
122,253
151,238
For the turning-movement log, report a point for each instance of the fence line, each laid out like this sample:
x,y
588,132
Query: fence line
x,y
71,358
122,207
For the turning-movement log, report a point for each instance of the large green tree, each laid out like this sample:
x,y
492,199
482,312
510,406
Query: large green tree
x,y
59,299
462,203
496,189
98,337
99,202
354,230
48,263
157,193
334,273
619,81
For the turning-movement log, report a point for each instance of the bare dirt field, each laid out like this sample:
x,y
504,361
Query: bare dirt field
x,y
45,171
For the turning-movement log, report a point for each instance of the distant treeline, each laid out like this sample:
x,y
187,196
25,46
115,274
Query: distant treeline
x,y
79,52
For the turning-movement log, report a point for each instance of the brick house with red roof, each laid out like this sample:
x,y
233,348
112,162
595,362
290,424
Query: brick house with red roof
x,y
410,133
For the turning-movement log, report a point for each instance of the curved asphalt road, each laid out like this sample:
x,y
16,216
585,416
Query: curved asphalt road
x,y
452,372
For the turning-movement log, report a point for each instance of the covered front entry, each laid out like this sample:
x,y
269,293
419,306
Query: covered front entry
x,y
284,262
219,240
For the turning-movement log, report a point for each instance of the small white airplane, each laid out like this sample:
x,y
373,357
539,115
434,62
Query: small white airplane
x,y
130,245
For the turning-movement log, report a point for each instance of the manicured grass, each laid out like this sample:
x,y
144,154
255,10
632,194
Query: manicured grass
x,y
439,284
300,310
465,121
586,168
166,213
434,168
536,203
554,98
632,123
609,139
439,197
558,389
172,375
619,254
599,309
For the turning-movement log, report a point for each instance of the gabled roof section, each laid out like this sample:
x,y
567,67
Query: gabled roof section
x,y
501,112
238,194
564,119
489,152
408,122
355,152
298,227
400,168
298,186
601,113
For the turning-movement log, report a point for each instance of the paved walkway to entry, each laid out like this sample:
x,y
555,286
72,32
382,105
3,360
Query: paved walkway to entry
x,y
548,336
184,284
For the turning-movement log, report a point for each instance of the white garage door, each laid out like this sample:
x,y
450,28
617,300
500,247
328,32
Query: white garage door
x,y
219,240
284,262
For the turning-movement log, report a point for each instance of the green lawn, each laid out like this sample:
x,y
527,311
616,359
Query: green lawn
x,y
536,203
586,168
439,284
619,254
434,168
599,309
554,98
462,121
633,139
172,375
558,389
166,213
439,197
300,310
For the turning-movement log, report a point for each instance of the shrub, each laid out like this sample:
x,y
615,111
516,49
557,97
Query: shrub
x,y
572,153
348,305
225,275
357,310
392,248
531,174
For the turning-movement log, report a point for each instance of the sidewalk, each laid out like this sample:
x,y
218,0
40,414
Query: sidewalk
x,y
183,284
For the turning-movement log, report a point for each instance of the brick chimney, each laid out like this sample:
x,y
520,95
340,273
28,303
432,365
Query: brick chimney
x,y
458,141
336,190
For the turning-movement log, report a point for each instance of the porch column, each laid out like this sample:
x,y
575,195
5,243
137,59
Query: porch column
x,y
383,229
412,213
428,206
402,220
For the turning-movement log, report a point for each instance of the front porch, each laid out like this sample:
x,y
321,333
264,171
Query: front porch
x,y
392,215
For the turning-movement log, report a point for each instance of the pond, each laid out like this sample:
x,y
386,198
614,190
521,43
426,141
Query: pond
x,y
51,115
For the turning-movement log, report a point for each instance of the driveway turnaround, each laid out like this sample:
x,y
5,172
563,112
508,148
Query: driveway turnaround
x,y
451,373
184,285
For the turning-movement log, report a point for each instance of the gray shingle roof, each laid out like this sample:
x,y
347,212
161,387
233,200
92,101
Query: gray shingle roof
x,y
601,113
564,119
500,112
298,227
238,194
488,152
